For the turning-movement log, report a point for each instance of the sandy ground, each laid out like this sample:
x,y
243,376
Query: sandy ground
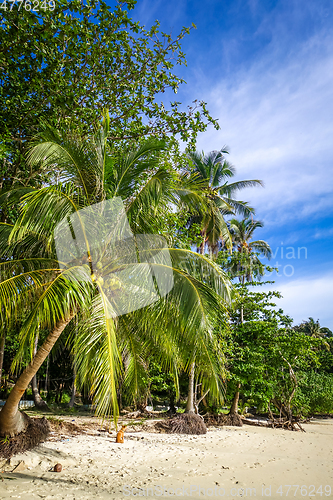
x,y
226,462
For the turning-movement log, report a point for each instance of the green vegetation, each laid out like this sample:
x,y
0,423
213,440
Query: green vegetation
x,y
83,124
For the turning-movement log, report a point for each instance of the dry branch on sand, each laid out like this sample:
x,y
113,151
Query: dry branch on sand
x,y
277,423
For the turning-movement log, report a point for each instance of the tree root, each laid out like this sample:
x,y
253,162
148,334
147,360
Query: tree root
x,y
186,423
232,419
36,432
277,423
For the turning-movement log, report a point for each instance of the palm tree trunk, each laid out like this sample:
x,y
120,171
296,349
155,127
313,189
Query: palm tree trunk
x,y
12,421
242,314
234,406
242,307
190,396
2,352
47,377
39,402
72,401
201,248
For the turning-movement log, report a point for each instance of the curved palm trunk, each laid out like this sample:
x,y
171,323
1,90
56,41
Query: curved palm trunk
x,y
2,352
46,390
190,397
12,421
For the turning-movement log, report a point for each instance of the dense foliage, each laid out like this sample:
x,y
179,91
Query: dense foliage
x,y
83,123
76,61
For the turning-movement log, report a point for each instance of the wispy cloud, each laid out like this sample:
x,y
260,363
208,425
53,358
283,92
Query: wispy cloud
x,y
266,71
277,119
321,234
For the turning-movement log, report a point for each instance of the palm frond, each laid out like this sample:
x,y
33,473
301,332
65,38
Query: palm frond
x,y
98,360
229,189
67,153
145,205
130,167
263,247
240,207
68,292
44,209
13,196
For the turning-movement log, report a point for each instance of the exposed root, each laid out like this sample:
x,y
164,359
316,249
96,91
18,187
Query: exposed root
x,y
286,423
232,419
186,423
36,432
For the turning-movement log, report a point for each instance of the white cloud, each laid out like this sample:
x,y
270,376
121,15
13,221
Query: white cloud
x,y
323,234
303,298
277,120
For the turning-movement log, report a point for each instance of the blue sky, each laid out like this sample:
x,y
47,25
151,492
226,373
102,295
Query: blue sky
x,y
265,68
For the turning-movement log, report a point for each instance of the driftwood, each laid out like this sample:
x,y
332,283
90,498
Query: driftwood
x,y
258,423
277,423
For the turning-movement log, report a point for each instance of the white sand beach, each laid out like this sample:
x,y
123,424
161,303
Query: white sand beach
x,y
226,462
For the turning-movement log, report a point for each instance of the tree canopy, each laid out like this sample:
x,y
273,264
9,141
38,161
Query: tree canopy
x,y
81,58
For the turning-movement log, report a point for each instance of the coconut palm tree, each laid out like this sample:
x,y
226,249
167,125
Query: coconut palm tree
x,y
244,263
87,288
313,328
213,173
248,250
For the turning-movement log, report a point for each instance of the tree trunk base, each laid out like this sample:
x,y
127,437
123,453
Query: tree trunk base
x,y
186,423
11,427
42,405
37,431
232,419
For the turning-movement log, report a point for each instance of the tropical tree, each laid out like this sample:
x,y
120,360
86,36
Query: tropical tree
x,y
213,173
2,352
248,251
267,359
75,60
313,328
87,283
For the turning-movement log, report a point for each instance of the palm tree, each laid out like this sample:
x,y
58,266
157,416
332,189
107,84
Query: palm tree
x,y
245,265
213,173
2,352
242,234
87,290
11,189
313,328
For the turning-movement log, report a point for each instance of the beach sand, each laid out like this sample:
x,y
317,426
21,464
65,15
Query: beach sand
x,y
227,462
